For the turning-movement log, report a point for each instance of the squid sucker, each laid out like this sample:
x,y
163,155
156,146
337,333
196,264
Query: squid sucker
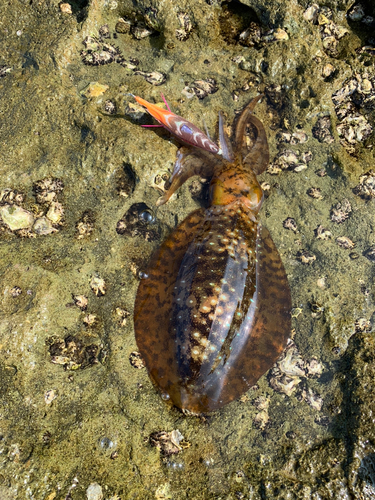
x,y
213,315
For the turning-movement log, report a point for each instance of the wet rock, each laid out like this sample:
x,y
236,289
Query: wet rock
x,y
94,89
356,13
125,180
135,111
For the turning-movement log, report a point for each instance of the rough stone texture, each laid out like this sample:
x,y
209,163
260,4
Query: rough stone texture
x,y
97,428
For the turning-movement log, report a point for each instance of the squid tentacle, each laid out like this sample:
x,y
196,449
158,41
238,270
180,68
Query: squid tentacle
x,y
189,162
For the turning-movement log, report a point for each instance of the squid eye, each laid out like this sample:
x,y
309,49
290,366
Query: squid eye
x,y
186,130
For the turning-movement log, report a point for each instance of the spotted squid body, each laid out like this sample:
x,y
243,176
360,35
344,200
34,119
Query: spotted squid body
x,y
213,315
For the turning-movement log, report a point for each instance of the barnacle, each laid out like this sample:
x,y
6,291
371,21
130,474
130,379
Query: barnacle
x,y
340,212
203,88
366,187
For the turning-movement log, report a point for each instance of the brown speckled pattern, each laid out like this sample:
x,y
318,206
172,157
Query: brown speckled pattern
x,y
214,313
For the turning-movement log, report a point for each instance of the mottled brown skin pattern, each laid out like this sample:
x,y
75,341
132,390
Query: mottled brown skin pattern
x,y
214,313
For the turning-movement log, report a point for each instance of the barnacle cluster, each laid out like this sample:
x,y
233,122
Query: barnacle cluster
x,y
340,212
289,373
353,102
203,88
245,30
366,187
168,443
122,315
161,181
153,77
261,419
98,51
85,225
139,220
288,159
330,32
136,360
322,130
297,137
73,352
46,217
186,26
321,233
140,26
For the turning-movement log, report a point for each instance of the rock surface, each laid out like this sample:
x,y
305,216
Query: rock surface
x,y
76,161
